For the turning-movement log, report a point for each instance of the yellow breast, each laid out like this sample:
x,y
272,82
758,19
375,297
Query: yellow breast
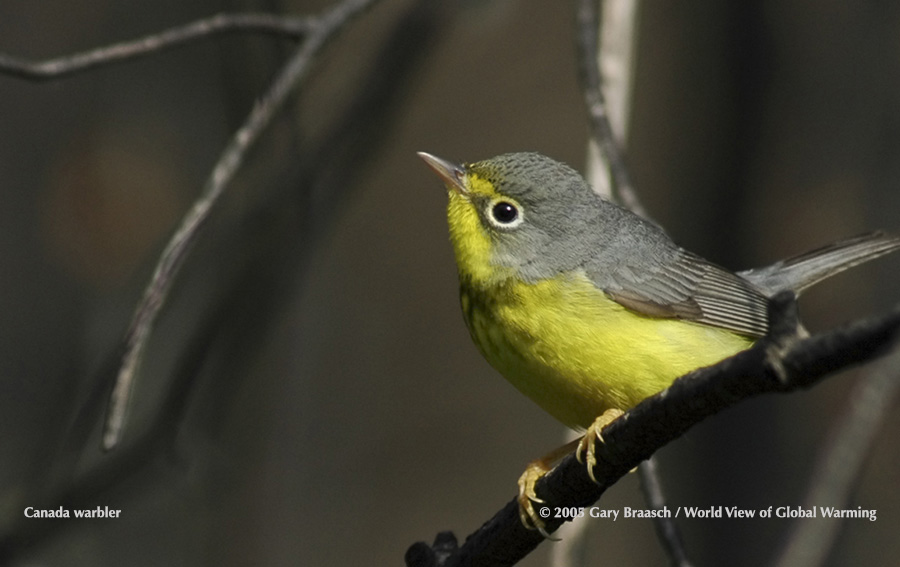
x,y
576,353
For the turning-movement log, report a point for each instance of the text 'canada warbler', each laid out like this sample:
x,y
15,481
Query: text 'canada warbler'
x,y
586,307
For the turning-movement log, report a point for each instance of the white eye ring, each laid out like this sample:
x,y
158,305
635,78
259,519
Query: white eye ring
x,y
504,213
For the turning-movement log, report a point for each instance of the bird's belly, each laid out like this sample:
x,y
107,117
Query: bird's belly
x,y
577,353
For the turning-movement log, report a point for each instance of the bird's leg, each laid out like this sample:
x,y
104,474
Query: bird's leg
x,y
537,469
527,496
593,435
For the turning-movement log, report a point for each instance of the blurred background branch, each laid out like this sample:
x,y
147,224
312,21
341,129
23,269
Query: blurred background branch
x,y
57,68
293,72
839,468
607,79
325,181
604,139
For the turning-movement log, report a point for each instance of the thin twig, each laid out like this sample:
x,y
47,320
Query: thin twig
x,y
781,362
614,55
285,26
224,171
838,469
354,137
616,62
666,529
571,549
616,59
601,131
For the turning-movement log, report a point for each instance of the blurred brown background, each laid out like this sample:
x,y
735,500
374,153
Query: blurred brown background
x,y
316,396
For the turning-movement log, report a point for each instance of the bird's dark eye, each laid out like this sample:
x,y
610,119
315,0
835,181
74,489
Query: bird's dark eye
x,y
504,212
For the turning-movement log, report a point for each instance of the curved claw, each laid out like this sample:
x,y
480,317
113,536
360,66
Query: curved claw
x,y
527,496
592,437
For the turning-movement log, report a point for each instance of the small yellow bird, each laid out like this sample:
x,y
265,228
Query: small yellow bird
x,y
587,308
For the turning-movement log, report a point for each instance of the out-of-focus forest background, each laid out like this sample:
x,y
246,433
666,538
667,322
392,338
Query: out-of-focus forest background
x,y
334,409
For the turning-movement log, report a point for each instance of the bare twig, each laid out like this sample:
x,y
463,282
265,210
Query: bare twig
x,y
231,159
618,38
666,529
257,291
616,62
614,56
620,189
285,26
571,549
838,469
781,362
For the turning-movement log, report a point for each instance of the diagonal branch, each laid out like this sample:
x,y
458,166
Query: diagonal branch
x,y
253,294
782,362
290,76
285,26
621,190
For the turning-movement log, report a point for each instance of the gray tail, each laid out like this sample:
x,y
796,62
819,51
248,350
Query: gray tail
x,y
805,270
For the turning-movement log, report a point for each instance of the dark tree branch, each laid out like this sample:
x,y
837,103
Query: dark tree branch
x,y
59,67
600,128
288,79
781,362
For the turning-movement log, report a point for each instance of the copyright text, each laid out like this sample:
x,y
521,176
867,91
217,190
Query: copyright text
x,y
711,512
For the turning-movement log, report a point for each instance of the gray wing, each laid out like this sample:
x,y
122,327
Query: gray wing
x,y
691,288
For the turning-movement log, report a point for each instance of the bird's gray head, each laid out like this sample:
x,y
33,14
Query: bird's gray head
x,y
531,217
541,215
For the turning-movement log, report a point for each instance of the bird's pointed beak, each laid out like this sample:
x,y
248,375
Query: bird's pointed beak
x,y
453,175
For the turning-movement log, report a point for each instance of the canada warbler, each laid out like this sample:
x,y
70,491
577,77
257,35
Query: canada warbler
x,y
586,307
